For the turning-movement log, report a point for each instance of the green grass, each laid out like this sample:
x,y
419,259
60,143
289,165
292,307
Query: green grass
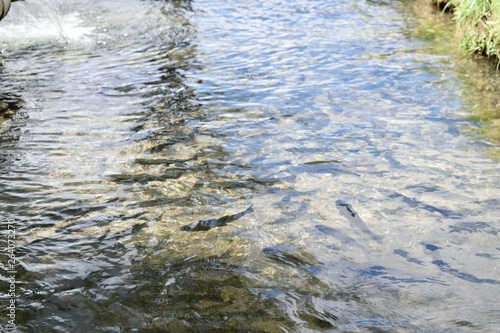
x,y
478,32
479,26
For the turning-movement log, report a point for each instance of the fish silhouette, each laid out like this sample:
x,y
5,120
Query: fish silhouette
x,y
348,212
203,225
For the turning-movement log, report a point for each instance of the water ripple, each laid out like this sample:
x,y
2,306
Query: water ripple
x,y
117,130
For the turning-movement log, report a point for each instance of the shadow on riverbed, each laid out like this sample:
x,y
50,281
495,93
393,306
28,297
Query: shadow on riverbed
x,y
204,225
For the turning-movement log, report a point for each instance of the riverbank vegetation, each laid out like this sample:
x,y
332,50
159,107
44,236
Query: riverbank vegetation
x,y
478,24
479,80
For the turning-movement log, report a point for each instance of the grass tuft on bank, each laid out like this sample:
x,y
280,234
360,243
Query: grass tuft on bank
x,y
478,26
478,23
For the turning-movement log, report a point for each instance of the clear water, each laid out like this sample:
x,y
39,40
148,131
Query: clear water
x,y
140,117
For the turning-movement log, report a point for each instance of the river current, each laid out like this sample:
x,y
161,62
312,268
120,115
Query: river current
x,y
324,142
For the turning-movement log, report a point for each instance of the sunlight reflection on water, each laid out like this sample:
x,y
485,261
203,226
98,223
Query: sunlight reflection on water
x,y
191,111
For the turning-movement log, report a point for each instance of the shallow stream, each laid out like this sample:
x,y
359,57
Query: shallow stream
x,y
366,205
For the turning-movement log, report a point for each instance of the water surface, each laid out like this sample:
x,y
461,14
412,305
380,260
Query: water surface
x,y
141,117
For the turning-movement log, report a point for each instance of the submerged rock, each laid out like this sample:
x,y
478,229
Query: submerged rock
x,y
9,104
204,225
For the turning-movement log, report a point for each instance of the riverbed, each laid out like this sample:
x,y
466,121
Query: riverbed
x,y
329,143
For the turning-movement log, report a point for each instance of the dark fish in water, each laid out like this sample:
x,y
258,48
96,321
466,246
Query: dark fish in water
x,y
348,212
204,225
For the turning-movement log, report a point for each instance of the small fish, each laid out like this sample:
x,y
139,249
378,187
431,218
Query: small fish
x,y
350,214
203,225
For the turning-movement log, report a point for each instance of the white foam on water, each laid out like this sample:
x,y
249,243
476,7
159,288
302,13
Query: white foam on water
x,y
37,22
83,23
